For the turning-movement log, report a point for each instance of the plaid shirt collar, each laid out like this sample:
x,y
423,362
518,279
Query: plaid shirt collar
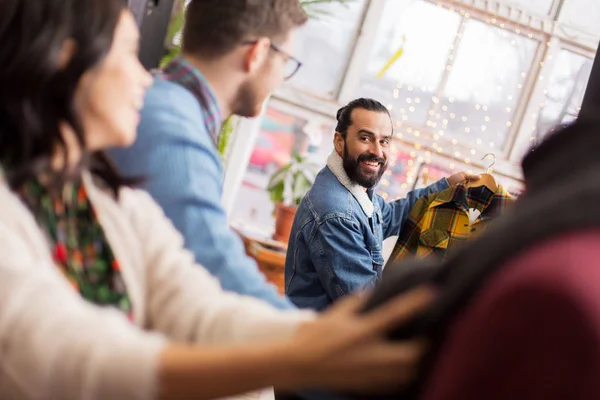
x,y
181,71
481,198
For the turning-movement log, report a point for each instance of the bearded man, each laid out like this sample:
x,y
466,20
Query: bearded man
x,y
335,246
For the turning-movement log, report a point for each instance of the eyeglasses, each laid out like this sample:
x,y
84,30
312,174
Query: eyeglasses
x,y
292,64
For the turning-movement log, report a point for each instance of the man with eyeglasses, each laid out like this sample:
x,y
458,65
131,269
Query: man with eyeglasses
x,y
234,54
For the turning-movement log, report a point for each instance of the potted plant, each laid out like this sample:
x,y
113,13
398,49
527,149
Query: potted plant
x,y
287,187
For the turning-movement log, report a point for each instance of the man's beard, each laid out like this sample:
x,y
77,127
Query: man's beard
x,y
353,168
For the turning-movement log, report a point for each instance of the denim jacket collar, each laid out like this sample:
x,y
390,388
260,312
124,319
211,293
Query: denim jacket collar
x,y
336,165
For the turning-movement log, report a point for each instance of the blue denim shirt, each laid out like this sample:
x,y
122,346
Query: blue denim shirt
x,y
176,154
337,237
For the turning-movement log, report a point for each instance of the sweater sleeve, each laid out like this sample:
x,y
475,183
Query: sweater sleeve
x,y
54,344
185,302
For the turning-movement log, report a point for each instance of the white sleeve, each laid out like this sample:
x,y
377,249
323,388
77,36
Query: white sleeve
x,y
55,345
185,301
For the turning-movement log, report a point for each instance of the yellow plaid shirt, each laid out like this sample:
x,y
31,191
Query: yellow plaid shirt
x,y
441,220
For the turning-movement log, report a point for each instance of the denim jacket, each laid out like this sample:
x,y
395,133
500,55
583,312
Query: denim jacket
x,y
176,154
337,237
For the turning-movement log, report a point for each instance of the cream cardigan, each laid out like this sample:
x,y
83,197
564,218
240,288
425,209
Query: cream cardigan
x,y
56,345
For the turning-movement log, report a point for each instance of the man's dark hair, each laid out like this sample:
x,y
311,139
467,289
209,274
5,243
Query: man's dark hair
x,y
38,94
215,27
344,114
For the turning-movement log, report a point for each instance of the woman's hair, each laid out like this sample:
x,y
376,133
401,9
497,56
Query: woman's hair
x,y
37,94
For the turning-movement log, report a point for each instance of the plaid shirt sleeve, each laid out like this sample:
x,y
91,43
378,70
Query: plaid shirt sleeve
x,y
408,240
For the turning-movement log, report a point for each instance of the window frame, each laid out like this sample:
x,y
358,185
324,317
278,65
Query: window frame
x,y
552,34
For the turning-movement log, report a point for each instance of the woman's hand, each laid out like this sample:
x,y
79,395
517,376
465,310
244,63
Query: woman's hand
x,y
347,350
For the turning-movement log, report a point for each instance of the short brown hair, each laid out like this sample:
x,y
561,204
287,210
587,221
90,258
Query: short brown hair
x,y
215,27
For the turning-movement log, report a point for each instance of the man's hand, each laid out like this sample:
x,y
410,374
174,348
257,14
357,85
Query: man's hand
x,y
462,177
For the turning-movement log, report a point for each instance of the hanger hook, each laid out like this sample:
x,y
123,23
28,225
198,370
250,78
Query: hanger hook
x,y
493,161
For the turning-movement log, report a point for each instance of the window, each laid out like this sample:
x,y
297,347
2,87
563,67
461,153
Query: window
x,y
324,46
458,79
565,91
583,14
484,87
425,32
283,132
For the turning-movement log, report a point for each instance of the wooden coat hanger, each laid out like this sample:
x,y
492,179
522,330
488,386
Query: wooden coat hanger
x,y
487,179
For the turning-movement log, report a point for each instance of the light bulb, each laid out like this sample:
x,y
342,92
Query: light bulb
x,y
473,151
452,166
467,129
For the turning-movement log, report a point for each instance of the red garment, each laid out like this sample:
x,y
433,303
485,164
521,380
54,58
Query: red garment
x,y
533,332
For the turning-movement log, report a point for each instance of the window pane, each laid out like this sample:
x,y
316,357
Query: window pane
x,y
584,14
484,86
427,32
281,134
541,7
324,45
566,88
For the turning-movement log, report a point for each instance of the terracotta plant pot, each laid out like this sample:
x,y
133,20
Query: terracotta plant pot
x,y
284,218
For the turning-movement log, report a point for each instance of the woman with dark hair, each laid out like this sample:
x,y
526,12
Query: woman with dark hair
x,y
98,298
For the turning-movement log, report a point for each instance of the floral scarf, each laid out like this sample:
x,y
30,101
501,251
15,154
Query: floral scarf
x,y
78,244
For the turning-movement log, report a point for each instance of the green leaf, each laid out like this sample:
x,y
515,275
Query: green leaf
x,y
225,135
276,192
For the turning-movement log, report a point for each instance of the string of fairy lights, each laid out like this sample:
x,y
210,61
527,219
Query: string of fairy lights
x,y
459,132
